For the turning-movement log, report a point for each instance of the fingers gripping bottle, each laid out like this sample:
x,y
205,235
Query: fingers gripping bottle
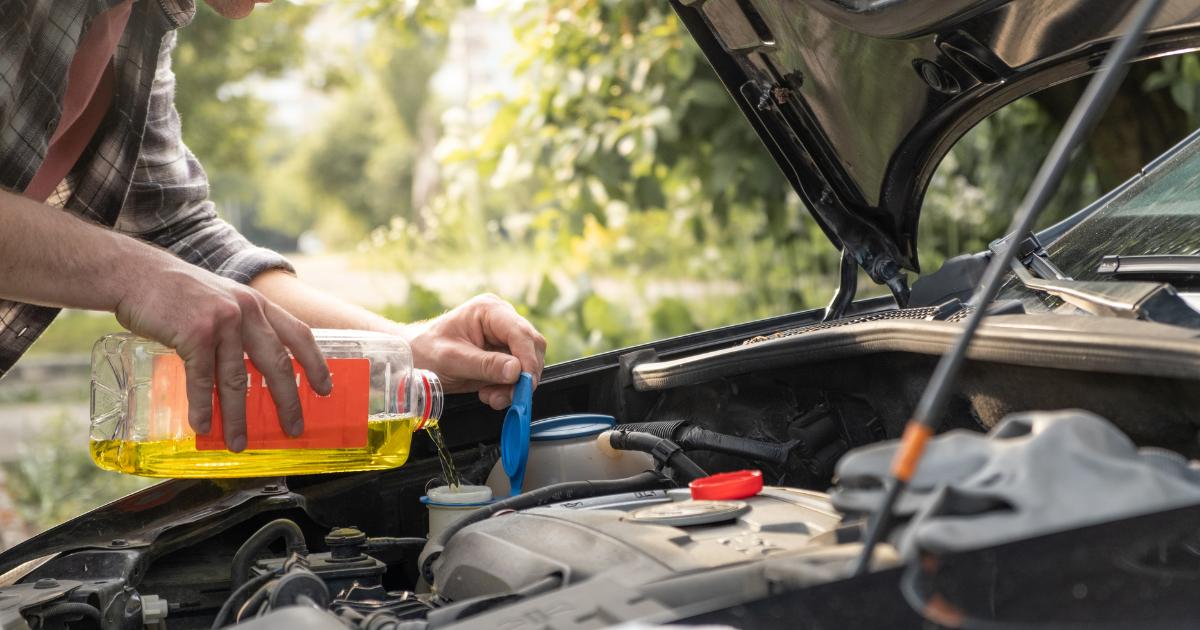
x,y
140,410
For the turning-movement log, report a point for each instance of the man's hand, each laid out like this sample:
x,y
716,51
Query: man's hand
x,y
212,322
483,344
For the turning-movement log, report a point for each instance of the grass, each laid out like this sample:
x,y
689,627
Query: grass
x,y
55,479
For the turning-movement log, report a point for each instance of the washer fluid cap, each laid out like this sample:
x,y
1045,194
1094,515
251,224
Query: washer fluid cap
x,y
462,496
514,435
727,486
575,425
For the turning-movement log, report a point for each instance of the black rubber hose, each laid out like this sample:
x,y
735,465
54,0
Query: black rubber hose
x,y
662,449
69,609
257,542
251,586
823,464
691,437
816,435
663,428
554,493
388,542
253,603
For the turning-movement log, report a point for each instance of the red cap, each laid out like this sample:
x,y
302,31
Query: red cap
x,y
727,486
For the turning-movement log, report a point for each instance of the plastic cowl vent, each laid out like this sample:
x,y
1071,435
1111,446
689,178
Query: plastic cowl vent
x,y
1034,473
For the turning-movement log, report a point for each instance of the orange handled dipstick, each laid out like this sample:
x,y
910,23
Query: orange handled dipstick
x,y
933,400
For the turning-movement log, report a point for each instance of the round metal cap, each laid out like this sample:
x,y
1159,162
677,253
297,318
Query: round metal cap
x,y
685,513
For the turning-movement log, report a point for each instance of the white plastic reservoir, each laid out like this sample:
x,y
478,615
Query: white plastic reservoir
x,y
564,448
446,506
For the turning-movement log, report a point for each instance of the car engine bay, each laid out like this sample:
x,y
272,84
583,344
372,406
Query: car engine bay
x,y
351,551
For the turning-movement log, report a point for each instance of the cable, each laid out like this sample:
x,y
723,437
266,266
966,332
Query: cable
x,y
254,602
933,400
664,451
384,543
70,608
258,541
692,437
250,586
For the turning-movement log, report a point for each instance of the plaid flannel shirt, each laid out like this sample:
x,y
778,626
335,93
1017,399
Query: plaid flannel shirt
x,y
136,175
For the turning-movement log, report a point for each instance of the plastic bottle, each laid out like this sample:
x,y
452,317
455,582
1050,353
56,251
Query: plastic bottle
x,y
139,412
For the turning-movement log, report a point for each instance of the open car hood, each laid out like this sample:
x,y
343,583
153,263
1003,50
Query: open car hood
x,y
858,100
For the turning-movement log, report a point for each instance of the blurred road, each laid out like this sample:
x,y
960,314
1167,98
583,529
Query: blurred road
x,y
337,275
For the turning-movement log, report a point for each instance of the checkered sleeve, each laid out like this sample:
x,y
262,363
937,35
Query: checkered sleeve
x,y
168,202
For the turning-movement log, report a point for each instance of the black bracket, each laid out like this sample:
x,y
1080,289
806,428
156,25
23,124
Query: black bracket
x,y
847,287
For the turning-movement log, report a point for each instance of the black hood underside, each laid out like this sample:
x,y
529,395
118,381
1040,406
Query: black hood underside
x,y
859,100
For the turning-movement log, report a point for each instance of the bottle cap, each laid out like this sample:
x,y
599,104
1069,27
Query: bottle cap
x,y
571,426
514,435
460,496
727,486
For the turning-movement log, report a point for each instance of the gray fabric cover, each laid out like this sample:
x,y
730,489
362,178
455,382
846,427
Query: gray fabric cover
x,y
1033,474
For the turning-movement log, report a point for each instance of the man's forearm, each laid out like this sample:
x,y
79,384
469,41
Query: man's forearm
x,y
52,258
319,309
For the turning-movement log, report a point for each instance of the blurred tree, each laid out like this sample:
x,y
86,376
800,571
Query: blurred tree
x,y
55,479
224,125
353,170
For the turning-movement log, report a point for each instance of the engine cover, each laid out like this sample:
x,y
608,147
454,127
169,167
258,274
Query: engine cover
x,y
631,539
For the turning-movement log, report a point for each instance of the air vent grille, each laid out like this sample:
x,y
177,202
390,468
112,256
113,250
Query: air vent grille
x,y
929,313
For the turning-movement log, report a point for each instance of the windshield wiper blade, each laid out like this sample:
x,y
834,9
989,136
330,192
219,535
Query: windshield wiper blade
x,y
1148,301
1151,265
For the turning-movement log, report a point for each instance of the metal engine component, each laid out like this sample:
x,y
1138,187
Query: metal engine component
x,y
344,578
344,566
298,587
53,603
616,538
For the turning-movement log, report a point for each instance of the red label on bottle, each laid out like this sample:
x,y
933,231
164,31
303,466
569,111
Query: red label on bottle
x,y
338,420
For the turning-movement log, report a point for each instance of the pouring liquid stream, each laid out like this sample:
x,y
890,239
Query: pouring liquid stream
x,y
449,472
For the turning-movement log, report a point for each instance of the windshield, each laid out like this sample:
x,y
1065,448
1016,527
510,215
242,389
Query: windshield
x,y
1158,213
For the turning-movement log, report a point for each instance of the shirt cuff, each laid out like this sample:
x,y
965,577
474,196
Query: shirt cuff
x,y
245,265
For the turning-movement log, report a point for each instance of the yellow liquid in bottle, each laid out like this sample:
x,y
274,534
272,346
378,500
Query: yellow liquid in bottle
x,y
388,442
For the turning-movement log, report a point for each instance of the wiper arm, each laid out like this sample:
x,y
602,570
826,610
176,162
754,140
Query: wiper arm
x,y
1154,265
1149,301
1033,256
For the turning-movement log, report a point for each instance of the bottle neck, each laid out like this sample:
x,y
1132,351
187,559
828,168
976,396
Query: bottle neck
x,y
425,398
